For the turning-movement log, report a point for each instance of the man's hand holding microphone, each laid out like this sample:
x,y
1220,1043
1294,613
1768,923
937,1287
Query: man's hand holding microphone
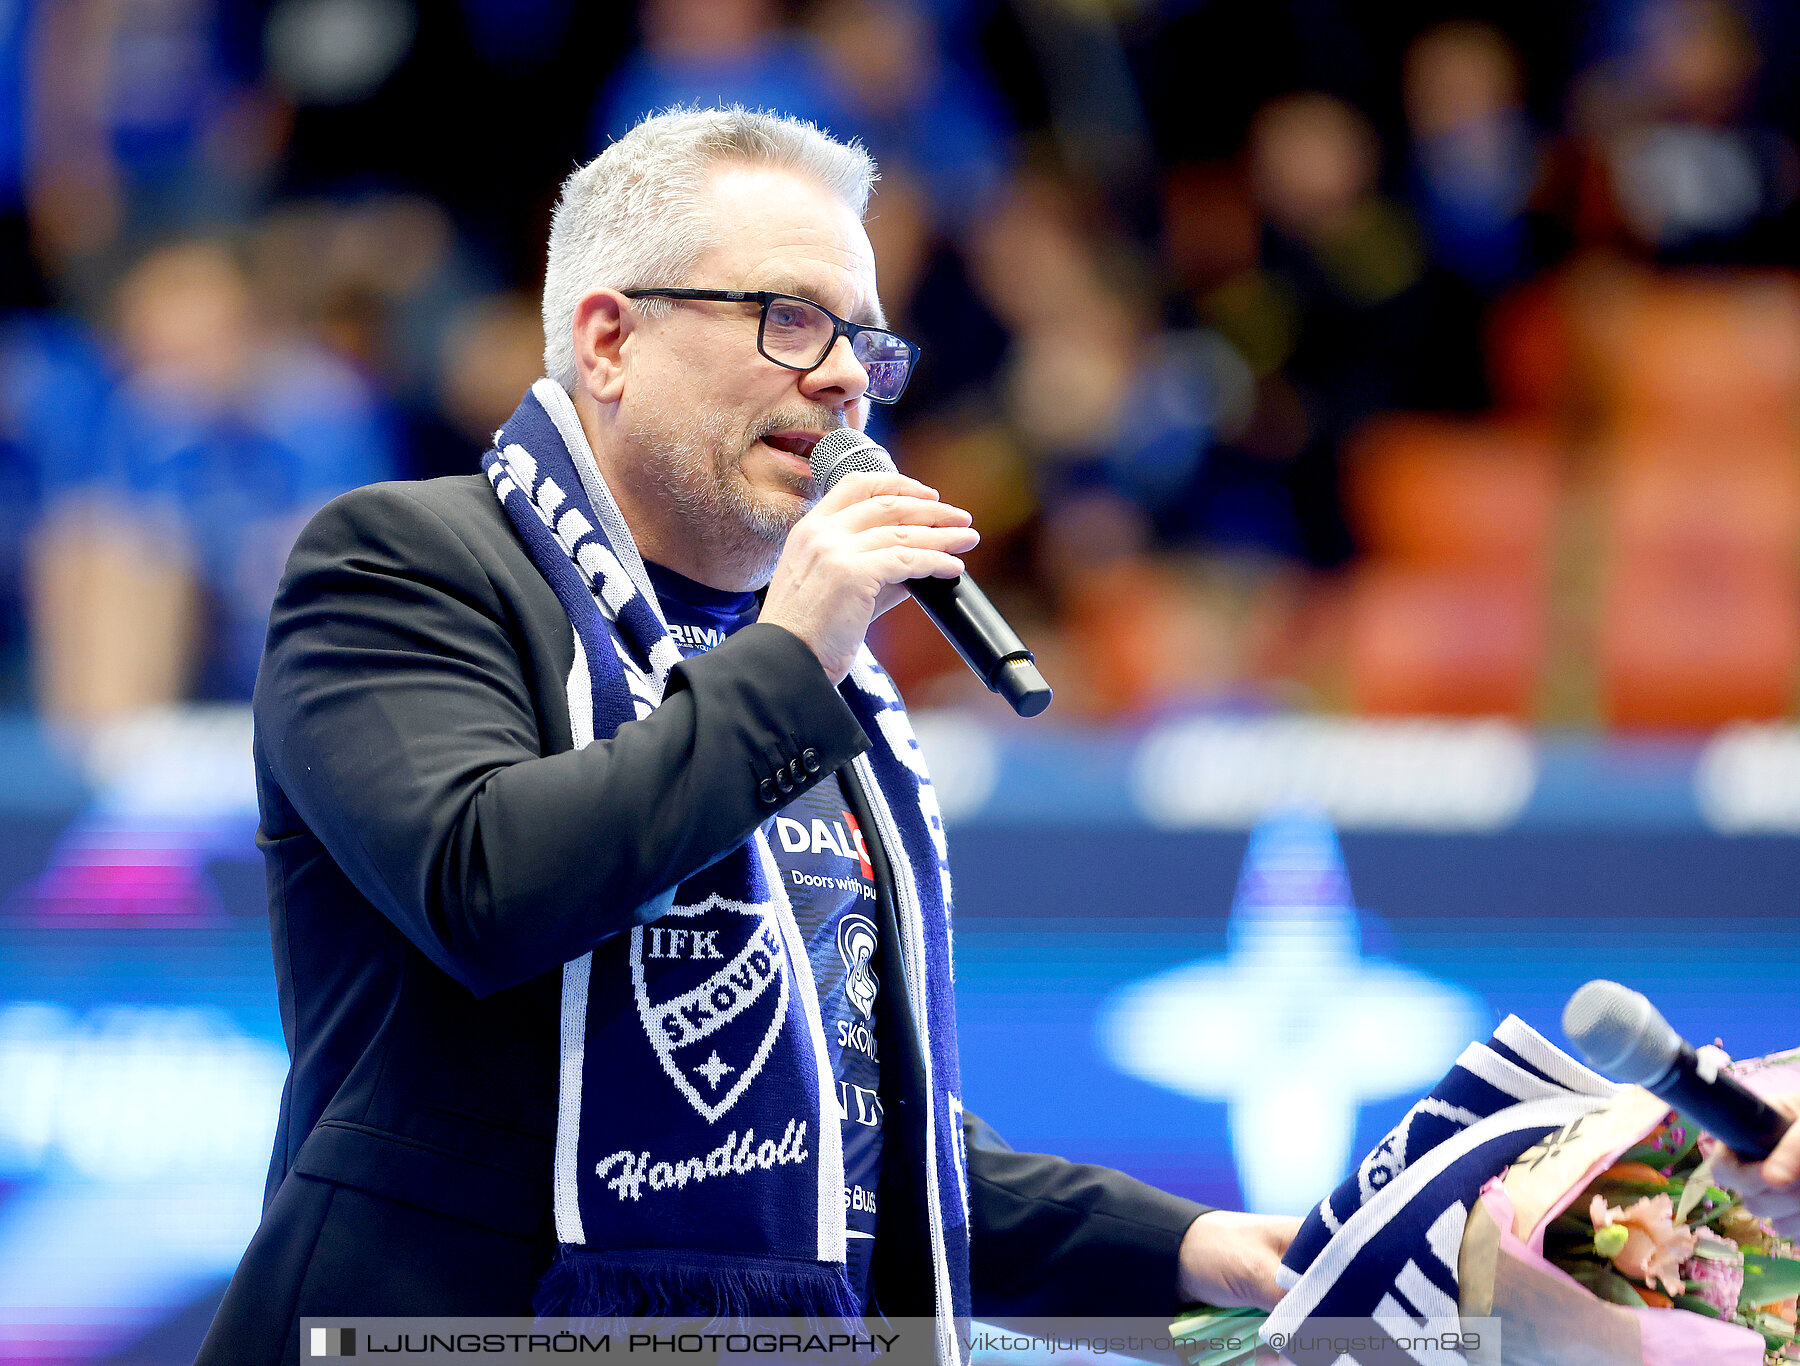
x,y
850,558
843,459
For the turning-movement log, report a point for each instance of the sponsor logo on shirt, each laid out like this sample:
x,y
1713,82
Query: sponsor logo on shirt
x,y
860,1104
695,637
842,884
856,940
855,1034
825,837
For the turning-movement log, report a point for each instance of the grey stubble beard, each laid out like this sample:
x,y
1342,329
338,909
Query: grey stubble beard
x,y
699,474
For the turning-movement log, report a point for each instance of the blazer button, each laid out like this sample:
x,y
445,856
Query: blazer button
x,y
785,783
766,790
797,773
810,757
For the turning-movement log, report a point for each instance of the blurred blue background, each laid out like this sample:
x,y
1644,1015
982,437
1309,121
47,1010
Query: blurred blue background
x,y
1233,1009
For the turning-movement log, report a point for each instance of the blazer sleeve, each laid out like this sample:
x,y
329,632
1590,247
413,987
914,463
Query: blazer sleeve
x,y
394,711
1053,1237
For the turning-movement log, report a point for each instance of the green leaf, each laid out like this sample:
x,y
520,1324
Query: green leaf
x,y
1695,1304
1664,1157
1606,1283
1569,1229
1771,1324
1712,1252
1201,1314
1777,1333
1767,1279
1720,1201
1201,1324
1698,1183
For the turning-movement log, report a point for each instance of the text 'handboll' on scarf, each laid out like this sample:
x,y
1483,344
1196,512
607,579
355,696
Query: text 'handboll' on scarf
x,y
699,1160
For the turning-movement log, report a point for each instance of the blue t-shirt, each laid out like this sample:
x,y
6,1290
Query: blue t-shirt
x,y
824,865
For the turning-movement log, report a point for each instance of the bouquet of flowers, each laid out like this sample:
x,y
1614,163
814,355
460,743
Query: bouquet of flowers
x,y
1670,1265
1583,1216
1654,1230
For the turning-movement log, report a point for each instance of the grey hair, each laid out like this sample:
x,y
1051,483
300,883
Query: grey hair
x,y
635,216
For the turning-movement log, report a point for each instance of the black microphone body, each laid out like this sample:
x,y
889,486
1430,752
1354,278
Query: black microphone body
x,y
958,608
983,638
1739,1118
1621,1034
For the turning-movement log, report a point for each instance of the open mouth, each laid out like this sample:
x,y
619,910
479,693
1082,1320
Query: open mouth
x,y
797,444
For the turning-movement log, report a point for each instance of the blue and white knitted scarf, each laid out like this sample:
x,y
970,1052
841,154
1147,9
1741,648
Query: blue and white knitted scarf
x,y
699,1161
1384,1245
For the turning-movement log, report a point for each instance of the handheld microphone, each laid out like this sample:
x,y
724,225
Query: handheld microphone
x,y
1621,1034
960,610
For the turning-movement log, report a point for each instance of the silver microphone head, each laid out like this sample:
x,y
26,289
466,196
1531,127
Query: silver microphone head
x,y
844,450
1620,1033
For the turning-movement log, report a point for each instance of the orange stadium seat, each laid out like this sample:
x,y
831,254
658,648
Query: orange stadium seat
x,y
1531,350
1425,490
1141,640
1444,642
1697,502
1690,641
1713,356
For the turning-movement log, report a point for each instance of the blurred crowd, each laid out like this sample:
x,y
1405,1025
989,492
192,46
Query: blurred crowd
x,y
1288,355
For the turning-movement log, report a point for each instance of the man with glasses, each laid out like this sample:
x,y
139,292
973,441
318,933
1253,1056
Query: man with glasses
x,y
798,334
594,840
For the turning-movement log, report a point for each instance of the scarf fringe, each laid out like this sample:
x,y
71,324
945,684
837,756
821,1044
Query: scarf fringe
x,y
587,1285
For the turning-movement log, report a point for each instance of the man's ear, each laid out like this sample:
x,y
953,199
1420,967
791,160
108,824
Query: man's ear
x,y
603,324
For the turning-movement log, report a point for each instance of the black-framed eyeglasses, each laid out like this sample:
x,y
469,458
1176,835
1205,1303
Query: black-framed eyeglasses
x,y
798,334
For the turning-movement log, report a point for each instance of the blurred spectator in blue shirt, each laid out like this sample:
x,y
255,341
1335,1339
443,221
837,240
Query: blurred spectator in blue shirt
x,y
491,352
53,388
716,52
147,118
1103,395
1475,158
1689,176
916,108
15,28
218,444
1475,169
1331,315
517,33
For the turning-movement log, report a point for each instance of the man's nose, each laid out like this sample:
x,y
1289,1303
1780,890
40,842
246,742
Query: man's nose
x,y
839,371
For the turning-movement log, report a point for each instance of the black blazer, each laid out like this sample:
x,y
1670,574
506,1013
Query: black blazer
x,y
436,850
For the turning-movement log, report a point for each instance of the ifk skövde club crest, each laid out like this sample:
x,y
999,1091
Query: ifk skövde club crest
x,y
712,990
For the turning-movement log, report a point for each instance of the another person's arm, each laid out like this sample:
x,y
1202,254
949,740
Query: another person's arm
x,y
1771,1188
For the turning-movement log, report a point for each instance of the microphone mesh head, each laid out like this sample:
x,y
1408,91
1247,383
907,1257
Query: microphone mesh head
x,y
1619,1032
843,451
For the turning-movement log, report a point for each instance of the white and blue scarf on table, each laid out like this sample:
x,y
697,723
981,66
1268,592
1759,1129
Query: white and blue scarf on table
x,y
1384,1245
699,1161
